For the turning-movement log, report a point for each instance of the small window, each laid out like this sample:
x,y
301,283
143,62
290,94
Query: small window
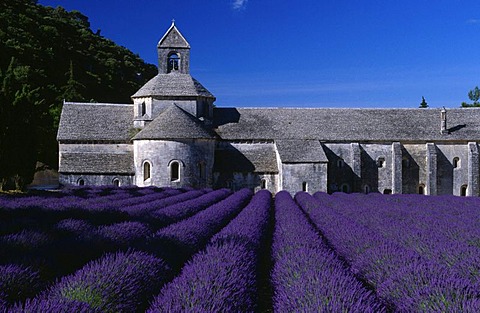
x,y
366,189
263,184
381,162
463,191
340,163
174,171
421,189
143,109
116,182
305,186
387,191
345,188
456,162
81,182
173,62
147,168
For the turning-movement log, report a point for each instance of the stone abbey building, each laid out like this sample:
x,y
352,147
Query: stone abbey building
x,y
173,135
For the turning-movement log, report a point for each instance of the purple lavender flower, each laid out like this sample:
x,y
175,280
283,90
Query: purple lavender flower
x,y
18,282
120,282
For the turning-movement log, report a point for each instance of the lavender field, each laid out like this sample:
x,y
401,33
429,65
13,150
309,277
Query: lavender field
x,y
131,249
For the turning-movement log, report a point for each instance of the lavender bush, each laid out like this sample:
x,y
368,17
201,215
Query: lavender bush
x,y
307,276
177,242
120,282
223,277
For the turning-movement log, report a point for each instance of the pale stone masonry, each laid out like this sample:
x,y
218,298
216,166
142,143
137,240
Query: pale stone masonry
x,y
173,135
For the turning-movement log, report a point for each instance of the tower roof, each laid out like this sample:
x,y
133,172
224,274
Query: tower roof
x,y
174,123
173,38
173,84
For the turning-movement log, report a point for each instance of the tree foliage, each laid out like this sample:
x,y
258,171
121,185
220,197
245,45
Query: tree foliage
x,y
48,55
473,95
423,104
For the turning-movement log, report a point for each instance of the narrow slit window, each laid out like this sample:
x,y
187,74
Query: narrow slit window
x,y
463,191
263,184
456,162
305,186
174,171
147,168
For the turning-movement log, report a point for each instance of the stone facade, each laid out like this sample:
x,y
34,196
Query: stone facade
x,y
172,135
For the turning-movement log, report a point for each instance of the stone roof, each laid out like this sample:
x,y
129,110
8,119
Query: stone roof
x,y
173,38
346,124
260,158
95,122
300,151
96,163
174,123
173,84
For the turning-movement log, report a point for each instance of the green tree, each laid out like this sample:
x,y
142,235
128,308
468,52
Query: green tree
x,y
423,104
473,95
19,120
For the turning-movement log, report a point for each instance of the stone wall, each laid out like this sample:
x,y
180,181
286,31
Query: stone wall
x,y
95,180
301,176
161,153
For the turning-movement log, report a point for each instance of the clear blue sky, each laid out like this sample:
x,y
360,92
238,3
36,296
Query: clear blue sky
x,y
309,53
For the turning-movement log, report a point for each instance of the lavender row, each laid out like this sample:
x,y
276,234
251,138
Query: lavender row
x,y
307,276
167,215
436,230
143,209
120,282
178,242
401,277
224,276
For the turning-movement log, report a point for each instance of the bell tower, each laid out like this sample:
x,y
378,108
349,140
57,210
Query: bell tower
x,y
173,52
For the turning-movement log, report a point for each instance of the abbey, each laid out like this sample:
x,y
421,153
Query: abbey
x,y
172,135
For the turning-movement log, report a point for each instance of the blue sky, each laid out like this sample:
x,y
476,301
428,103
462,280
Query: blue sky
x,y
309,53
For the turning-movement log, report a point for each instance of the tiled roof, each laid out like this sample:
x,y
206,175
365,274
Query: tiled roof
x,y
346,124
244,158
173,84
96,163
95,121
174,123
300,151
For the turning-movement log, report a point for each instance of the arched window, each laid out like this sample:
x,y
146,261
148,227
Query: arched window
x,y
345,188
381,162
366,189
421,189
116,182
173,62
81,182
305,186
340,163
456,162
147,171
143,109
463,191
263,184
174,171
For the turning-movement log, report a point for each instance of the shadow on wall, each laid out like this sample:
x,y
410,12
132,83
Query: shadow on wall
x,y
228,161
410,174
340,175
444,174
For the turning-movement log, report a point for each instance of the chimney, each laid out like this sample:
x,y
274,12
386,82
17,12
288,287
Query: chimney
x,y
443,125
